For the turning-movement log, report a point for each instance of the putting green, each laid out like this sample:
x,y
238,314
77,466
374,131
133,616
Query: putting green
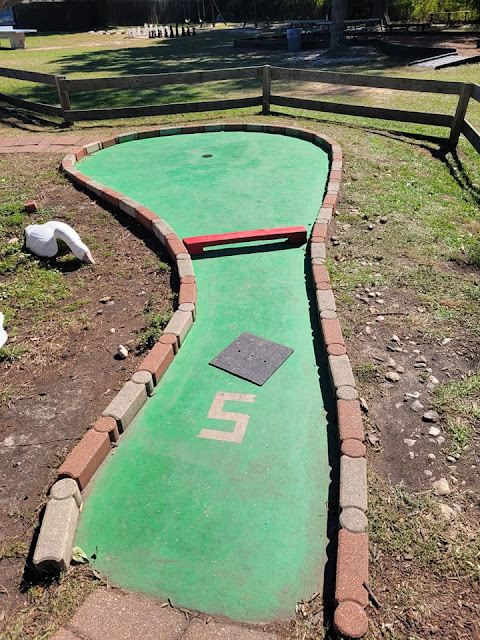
x,y
227,527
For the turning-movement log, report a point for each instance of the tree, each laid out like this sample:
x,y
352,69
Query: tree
x,y
380,10
337,28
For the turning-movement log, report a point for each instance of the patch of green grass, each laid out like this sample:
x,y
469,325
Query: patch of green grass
x,y
459,402
350,274
410,523
459,398
155,324
162,267
459,436
35,285
366,371
13,548
73,306
10,352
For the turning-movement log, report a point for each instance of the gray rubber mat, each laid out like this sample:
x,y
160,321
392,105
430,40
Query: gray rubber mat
x,y
252,358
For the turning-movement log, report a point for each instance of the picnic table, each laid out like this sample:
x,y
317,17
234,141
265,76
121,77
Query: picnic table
x,y
16,36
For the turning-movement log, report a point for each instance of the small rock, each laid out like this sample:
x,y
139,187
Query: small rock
x,y
391,363
416,406
380,301
141,293
421,359
434,431
383,220
371,227
430,416
419,365
451,459
368,330
447,512
446,341
122,352
433,380
398,405
109,303
411,455
112,330
440,440
441,487
413,394
380,318
409,442
105,299
431,456
399,369
428,473
371,294
395,338
392,376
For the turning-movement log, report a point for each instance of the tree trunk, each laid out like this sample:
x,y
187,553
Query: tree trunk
x,y
380,10
337,32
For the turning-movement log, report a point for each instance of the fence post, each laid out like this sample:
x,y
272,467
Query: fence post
x,y
62,94
267,83
459,117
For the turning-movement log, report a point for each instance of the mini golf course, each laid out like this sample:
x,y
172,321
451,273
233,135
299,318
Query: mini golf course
x,y
217,495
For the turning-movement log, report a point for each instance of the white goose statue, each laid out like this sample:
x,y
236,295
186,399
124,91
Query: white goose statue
x,y
41,239
3,333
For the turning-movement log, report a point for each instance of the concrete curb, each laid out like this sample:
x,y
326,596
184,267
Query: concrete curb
x,y
351,596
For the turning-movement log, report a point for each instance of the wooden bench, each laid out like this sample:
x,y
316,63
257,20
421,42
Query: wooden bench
x,y
16,36
195,244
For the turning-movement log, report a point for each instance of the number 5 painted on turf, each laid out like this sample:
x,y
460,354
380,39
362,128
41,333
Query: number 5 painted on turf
x,y
216,412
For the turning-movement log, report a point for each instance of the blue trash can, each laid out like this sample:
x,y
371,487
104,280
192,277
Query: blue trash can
x,y
294,39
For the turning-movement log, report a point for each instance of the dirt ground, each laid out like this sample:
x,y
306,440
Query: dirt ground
x,y
71,370
464,43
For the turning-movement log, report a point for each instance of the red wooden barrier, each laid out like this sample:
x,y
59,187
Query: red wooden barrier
x,y
195,244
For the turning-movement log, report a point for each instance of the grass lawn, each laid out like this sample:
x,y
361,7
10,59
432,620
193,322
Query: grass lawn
x,y
404,259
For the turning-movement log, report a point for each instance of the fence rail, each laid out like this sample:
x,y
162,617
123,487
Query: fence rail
x,y
456,122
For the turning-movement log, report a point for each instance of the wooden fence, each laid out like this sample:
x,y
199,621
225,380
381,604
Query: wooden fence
x,y
456,122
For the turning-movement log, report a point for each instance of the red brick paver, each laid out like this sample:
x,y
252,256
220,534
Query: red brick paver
x,y
108,614
50,144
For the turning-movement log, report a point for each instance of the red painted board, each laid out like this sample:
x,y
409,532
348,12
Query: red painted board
x,y
196,244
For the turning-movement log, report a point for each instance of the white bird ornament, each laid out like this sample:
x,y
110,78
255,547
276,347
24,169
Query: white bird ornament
x,y
41,239
3,333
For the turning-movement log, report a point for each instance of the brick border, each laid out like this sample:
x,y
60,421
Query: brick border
x,y
351,597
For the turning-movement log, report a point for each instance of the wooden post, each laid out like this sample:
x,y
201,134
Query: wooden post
x,y
62,94
267,83
459,117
